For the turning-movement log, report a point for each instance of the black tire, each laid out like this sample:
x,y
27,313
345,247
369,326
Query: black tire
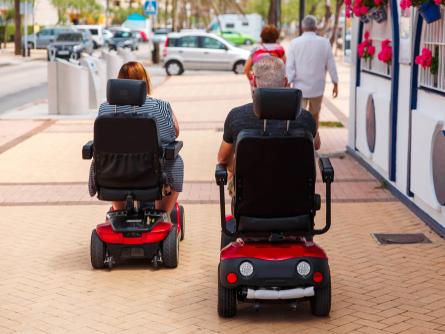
x,y
174,67
226,239
47,55
321,302
30,45
97,251
226,301
173,218
95,45
181,212
238,67
170,249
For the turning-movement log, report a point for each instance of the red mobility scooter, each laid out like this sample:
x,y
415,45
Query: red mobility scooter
x,y
128,166
267,249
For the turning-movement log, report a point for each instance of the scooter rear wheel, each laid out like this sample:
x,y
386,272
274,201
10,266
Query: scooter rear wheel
x,y
97,251
170,249
321,302
226,301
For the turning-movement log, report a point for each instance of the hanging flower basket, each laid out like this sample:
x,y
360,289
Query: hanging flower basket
x,y
367,9
379,14
429,11
365,19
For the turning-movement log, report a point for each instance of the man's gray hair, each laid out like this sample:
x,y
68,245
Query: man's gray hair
x,y
270,72
309,23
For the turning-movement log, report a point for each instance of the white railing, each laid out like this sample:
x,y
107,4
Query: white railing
x,y
433,38
377,33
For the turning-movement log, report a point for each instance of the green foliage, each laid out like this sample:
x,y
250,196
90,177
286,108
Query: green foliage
x,y
85,7
120,14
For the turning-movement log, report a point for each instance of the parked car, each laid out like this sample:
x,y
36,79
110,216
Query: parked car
x,y
41,39
201,51
97,32
160,35
108,35
237,38
71,44
123,39
141,35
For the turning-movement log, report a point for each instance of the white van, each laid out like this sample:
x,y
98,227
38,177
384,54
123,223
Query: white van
x,y
250,24
97,32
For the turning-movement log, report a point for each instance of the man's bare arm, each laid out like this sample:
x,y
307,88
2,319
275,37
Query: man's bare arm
x,y
225,155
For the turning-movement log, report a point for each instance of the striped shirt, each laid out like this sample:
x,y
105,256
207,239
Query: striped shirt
x,y
161,112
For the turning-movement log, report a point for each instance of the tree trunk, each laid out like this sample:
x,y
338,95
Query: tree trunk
x,y
274,16
18,28
173,15
166,13
338,6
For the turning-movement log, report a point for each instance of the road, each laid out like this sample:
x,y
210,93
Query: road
x,y
23,83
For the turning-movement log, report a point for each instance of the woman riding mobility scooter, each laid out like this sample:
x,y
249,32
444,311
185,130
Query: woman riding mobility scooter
x,y
128,166
273,256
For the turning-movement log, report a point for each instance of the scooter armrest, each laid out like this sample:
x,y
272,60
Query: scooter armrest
x,y
87,150
221,175
171,151
326,169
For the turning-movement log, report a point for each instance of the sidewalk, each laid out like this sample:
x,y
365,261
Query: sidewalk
x,y
47,284
8,58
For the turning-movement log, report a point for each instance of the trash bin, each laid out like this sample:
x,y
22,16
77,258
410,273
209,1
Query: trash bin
x,y
155,53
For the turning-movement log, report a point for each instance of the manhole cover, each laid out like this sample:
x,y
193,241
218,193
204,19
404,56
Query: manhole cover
x,y
401,238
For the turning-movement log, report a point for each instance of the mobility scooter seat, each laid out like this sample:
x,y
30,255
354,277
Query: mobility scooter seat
x,y
269,252
128,166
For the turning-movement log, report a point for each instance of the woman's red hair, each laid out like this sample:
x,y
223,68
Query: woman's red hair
x,y
135,71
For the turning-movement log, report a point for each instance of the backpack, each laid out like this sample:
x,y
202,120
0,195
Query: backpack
x,y
277,51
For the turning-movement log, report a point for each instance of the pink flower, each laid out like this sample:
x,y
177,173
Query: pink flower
x,y
425,59
379,2
366,35
356,11
363,10
404,4
438,2
348,12
385,54
361,50
371,51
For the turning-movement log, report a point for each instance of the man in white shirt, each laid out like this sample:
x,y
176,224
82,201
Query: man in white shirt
x,y
308,58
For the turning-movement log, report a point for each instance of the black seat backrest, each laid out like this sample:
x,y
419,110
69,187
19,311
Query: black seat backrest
x,y
127,150
275,170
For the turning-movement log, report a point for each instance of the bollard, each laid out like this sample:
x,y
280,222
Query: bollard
x,y
114,63
68,88
155,53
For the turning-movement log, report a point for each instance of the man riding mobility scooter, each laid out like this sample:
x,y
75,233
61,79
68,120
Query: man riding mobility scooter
x,y
128,165
273,256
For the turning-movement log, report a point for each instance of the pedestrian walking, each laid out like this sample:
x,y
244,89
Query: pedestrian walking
x,y
308,58
269,46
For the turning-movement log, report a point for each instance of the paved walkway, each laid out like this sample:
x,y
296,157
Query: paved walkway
x,y
47,284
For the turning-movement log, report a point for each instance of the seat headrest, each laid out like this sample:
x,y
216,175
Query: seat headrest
x,y
277,103
126,92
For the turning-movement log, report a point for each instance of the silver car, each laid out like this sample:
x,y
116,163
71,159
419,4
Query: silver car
x,y
201,51
41,39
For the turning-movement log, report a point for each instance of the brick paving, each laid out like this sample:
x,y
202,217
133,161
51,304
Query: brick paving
x,y
47,284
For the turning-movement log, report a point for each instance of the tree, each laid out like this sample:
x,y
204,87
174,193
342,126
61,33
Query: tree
x,y
18,28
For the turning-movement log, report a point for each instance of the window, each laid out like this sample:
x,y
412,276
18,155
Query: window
x,y
94,31
69,37
122,34
433,38
377,33
230,25
245,23
46,32
211,43
187,42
